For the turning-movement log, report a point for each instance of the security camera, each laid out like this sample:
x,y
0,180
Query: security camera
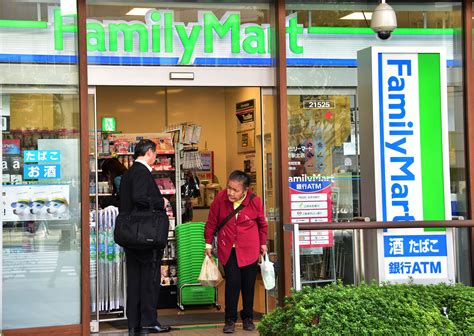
x,y
384,21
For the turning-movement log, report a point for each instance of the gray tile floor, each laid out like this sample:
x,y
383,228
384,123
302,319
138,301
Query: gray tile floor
x,y
195,321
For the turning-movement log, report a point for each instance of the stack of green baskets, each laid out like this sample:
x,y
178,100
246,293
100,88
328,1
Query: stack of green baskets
x,y
190,247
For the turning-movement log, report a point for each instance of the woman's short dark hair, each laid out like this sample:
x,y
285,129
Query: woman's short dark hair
x,y
143,146
240,176
111,168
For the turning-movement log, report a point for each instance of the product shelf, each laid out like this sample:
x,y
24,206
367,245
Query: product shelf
x,y
158,152
163,169
164,151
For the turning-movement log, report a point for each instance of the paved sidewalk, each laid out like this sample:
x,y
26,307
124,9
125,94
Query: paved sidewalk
x,y
214,331
191,331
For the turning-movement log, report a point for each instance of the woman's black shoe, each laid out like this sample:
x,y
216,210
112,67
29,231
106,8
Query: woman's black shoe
x,y
248,324
229,327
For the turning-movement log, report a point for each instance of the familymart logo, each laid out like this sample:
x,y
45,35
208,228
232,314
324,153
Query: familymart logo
x,y
212,40
161,34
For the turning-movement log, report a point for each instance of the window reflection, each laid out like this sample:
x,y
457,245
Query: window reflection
x,y
41,218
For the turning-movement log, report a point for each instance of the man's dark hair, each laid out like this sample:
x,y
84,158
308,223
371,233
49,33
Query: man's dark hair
x,y
143,146
238,175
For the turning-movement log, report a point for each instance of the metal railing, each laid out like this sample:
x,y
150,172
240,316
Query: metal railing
x,y
358,224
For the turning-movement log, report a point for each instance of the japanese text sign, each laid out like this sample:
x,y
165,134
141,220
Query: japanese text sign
x,y
41,156
41,171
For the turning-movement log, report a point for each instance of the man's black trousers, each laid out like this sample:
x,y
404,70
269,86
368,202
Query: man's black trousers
x,y
143,287
239,279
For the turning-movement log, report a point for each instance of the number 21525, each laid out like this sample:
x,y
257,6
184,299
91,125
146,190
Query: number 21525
x,y
318,104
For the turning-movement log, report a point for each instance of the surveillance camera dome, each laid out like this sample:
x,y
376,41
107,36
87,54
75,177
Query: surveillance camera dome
x,y
384,21
384,35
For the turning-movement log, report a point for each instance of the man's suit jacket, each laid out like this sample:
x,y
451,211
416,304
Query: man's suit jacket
x,y
138,189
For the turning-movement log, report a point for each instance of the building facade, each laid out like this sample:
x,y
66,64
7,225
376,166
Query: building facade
x,y
66,66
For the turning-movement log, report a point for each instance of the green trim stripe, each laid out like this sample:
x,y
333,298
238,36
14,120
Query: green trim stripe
x,y
369,31
431,137
23,24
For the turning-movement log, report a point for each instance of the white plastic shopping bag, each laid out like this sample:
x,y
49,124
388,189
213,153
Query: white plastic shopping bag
x,y
268,272
210,275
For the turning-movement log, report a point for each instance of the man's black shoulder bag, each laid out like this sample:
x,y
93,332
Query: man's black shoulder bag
x,y
142,229
224,221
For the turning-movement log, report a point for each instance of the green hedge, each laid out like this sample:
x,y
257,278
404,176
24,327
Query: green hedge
x,y
374,310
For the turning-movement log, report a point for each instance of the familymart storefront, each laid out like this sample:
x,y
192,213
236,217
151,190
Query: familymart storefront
x,y
153,66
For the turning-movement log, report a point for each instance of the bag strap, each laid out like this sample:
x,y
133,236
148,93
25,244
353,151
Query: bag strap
x,y
233,213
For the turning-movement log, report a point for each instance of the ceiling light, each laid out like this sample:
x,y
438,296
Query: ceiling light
x,y
68,7
175,90
358,16
139,11
145,101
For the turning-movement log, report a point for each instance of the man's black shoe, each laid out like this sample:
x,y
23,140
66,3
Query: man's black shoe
x,y
134,331
248,324
229,327
156,329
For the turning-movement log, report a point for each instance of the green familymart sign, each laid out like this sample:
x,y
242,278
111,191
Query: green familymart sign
x,y
161,40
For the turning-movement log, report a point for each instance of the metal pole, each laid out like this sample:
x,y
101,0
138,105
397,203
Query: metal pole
x,y
296,258
356,253
361,255
96,210
455,257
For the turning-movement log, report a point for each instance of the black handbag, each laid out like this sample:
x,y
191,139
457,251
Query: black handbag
x,y
142,229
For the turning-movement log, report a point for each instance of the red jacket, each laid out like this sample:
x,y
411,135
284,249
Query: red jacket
x,y
247,232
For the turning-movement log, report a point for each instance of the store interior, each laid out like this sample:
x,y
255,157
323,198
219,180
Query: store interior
x,y
226,141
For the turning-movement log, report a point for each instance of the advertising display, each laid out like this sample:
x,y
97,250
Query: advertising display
x,y
224,40
11,161
404,147
40,164
35,202
310,202
11,146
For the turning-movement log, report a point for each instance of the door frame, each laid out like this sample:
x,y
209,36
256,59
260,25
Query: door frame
x,y
236,76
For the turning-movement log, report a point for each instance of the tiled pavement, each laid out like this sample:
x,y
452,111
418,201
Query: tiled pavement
x,y
192,331
193,321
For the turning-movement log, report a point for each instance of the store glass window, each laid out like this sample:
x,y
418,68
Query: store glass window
x,y
322,43
41,221
192,33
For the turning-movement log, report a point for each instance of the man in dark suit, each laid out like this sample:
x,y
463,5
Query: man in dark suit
x,y
138,190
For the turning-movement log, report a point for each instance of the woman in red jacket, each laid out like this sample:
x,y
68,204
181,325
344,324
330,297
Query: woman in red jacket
x,y
240,241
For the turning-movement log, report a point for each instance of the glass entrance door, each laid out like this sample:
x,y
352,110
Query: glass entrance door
x,y
323,160
271,188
